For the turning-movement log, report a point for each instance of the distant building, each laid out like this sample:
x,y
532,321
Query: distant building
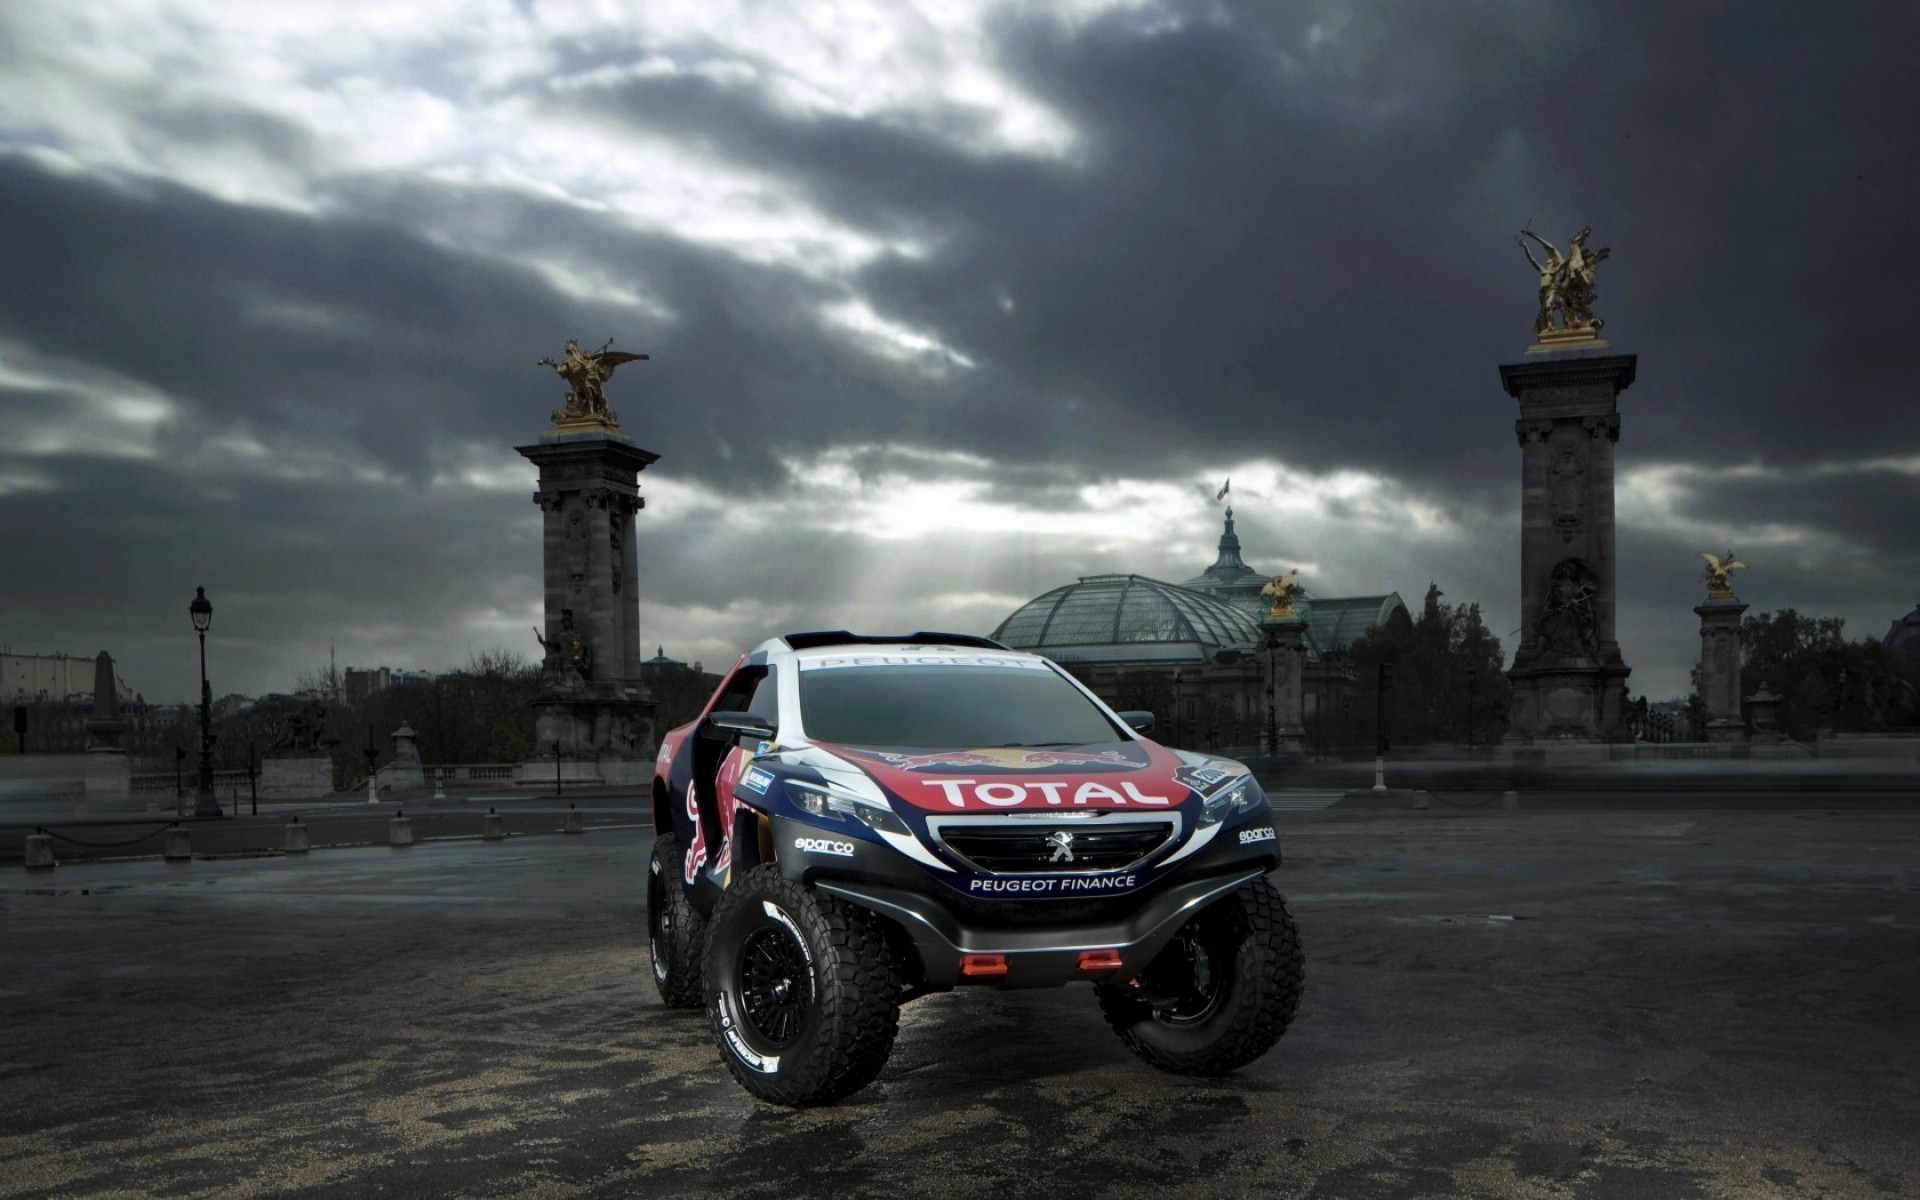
x,y
40,678
1193,653
660,668
153,731
357,685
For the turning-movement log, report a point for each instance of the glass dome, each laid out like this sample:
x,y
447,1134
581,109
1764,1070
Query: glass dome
x,y
1903,636
1127,618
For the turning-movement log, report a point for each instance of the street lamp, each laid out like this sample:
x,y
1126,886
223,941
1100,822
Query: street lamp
x,y
204,804
373,779
1273,694
1384,680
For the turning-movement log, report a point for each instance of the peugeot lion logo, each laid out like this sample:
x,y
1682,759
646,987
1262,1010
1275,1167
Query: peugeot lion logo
x,y
1062,842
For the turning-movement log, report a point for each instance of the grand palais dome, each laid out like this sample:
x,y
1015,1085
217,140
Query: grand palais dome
x,y
1106,618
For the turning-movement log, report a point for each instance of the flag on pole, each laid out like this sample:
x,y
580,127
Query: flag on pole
x,y
1224,489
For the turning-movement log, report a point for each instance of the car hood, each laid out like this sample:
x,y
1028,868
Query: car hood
x,y
1131,776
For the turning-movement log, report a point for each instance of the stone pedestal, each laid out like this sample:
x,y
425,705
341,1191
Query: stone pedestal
x,y
405,773
609,740
592,703
296,776
1763,708
1569,682
1720,667
1286,646
110,781
109,774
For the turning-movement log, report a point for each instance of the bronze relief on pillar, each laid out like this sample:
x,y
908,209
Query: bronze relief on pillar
x,y
1567,483
576,550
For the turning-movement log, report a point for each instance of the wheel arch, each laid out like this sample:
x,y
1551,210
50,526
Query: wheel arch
x,y
662,808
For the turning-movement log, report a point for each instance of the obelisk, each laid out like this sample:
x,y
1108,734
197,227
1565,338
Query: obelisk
x,y
109,775
1569,682
592,705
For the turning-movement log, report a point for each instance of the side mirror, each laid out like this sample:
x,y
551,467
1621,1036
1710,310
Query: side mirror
x,y
1137,720
740,724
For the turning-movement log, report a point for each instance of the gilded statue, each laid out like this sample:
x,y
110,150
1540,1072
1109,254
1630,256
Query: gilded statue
x,y
1720,574
1566,287
567,654
586,403
1281,589
1569,626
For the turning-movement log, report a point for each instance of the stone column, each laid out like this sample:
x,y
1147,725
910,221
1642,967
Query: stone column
x,y
592,701
1720,667
1568,676
1286,644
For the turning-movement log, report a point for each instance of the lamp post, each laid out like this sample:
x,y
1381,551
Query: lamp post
x,y
1384,679
373,782
1273,694
204,804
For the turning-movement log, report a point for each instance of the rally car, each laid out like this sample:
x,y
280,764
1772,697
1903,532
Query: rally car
x,y
853,822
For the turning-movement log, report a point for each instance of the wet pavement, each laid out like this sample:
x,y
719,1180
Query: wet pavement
x,y
1712,1003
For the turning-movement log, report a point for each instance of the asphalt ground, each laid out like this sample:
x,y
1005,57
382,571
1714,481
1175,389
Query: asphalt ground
x,y
80,835
1715,1003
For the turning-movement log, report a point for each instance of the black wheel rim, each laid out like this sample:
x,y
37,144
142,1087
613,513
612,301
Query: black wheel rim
x,y
659,926
1191,977
776,986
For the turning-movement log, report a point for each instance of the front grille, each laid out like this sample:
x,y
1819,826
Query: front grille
x,y
1018,846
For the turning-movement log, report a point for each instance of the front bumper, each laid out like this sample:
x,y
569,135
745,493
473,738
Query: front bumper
x,y
1045,956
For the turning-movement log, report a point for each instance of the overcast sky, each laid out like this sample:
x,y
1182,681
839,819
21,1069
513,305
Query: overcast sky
x,y
948,304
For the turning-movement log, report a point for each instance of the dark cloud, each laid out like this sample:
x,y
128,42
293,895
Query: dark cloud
x,y
1283,232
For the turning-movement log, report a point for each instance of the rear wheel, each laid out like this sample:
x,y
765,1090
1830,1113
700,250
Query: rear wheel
x,y
675,930
801,990
1222,991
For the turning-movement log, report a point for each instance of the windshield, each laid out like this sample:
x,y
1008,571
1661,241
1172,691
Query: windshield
x,y
949,707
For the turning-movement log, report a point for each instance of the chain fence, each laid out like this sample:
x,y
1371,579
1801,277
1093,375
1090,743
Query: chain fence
x,y
133,841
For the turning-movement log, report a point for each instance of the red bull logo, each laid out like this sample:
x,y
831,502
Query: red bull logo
x,y
1010,758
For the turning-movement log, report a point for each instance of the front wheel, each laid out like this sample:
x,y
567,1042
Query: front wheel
x,y
802,991
1222,991
675,930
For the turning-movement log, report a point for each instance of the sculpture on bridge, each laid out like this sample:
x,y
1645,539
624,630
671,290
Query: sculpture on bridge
x,y
1566,287
1719,574
567,651
586,402
1282,590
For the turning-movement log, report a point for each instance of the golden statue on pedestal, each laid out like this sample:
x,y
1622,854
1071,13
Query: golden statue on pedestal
x,y
1281,589
1719,574
1566,289
586,403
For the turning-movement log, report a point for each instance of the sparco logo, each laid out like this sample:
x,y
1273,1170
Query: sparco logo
x,y
825,846
1249,836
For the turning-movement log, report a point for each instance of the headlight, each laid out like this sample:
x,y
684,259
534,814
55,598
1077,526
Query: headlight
x,y
822,801
1241,797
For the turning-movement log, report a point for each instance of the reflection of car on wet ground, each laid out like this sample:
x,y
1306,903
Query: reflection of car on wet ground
x,y
853,822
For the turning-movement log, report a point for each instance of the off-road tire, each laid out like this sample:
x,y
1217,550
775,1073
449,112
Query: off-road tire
x,y
1253,950
676,932
829,1032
